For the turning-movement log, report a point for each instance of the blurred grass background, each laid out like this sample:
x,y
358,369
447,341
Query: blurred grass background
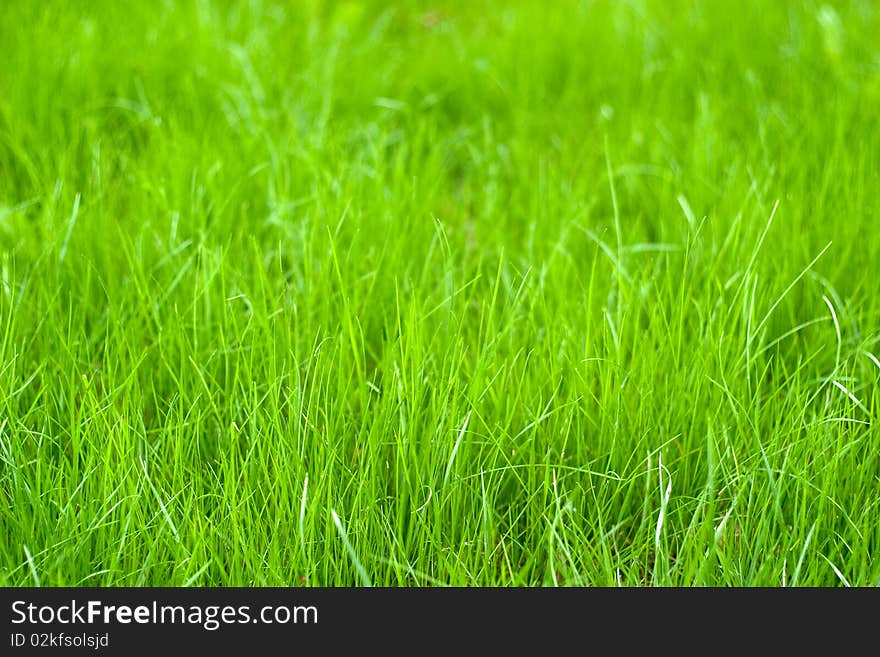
x,y
486,275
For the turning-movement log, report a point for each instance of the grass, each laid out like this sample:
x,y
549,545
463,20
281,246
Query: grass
x,y
459,293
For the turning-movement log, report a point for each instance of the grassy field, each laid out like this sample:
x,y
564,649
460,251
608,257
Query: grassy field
x,y
469,293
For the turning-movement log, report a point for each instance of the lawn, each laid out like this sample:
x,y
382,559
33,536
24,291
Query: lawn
x,y
450,293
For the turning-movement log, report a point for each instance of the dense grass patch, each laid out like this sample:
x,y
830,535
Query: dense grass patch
x,y
456,293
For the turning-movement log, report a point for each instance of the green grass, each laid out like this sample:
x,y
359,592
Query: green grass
x,y
458,293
